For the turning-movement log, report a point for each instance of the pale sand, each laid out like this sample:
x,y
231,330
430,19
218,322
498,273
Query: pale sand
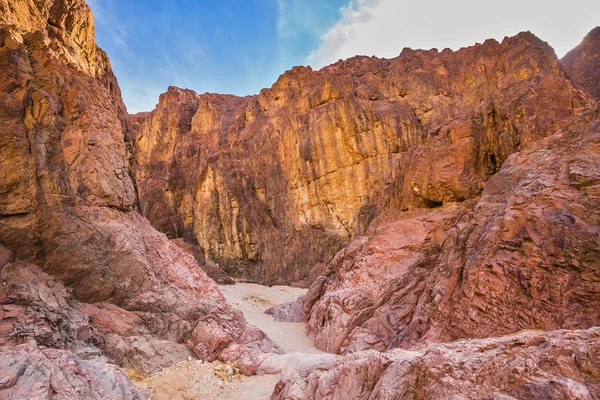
x,y
253,300
196,380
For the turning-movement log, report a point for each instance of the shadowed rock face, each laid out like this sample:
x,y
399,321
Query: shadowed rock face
x,y
271,186
68,208
583,63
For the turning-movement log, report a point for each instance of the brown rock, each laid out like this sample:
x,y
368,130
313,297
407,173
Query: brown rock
x,y
68,206
583,63
271,186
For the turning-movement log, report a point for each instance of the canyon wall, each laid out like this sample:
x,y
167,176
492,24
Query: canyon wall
x,y
505,270
462,185
459,184
427,198
68,212
522,256
271,186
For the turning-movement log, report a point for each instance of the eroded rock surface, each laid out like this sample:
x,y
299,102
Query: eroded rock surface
x,y
553,365
523,256
68,207
30,372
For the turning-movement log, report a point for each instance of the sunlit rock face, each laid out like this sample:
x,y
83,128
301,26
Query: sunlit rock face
x,y
79,264
524,255
271,186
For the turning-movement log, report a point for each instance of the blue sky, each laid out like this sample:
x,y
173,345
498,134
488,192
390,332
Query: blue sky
x,y
224,46
242,46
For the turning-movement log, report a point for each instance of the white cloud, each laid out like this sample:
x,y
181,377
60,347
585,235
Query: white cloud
x,y
384,27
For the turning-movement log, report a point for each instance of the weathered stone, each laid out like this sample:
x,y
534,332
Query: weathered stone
x,y
29,372
552,365
523,256
69,206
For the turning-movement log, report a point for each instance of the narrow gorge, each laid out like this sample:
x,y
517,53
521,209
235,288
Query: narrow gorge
x,y
438,213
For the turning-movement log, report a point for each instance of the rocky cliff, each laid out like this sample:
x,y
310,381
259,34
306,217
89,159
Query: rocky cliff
x,y
271,186
68,208
524,255
462,187
427,198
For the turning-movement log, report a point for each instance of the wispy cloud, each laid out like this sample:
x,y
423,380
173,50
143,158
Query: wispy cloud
x,y
384,27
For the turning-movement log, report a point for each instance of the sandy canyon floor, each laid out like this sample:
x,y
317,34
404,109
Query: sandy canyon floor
x,y
199,380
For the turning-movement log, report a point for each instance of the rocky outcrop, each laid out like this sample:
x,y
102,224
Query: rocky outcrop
x,y
68,207
531,365
523,256
272,186
583,63
29,372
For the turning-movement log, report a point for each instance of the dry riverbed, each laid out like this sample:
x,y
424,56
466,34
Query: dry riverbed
x,y
216,381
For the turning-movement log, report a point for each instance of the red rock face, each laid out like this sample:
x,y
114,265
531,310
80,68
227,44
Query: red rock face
x,y
523,256
583,63
68,207
552,365
307,164
428,198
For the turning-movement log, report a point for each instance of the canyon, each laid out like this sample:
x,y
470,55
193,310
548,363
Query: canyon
x,y
441,209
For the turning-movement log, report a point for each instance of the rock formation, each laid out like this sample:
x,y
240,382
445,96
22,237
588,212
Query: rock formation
x,y
427,198
527,366
68,207
464,184
306,165
523,256
583,63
